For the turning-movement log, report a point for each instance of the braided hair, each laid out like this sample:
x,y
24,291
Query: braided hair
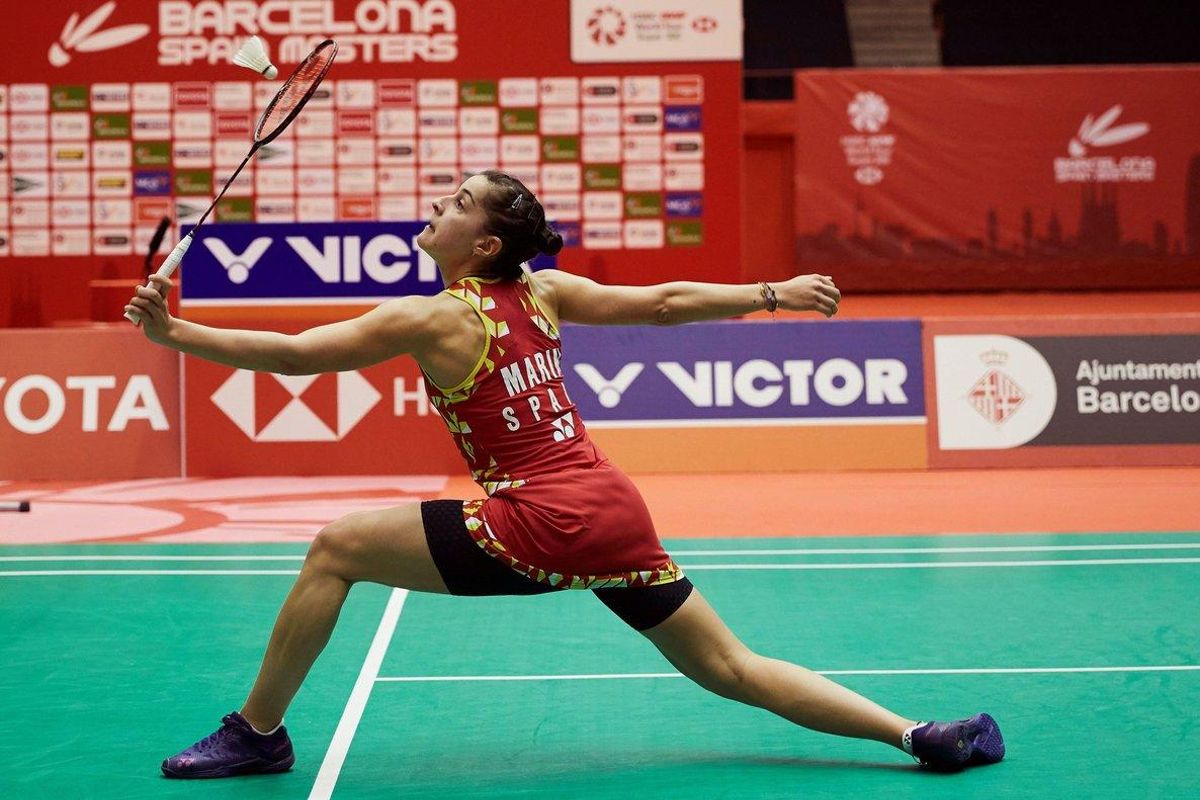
x,y
516,217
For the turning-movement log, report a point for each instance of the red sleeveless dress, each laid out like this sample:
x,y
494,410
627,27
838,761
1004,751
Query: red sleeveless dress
x,y
558,511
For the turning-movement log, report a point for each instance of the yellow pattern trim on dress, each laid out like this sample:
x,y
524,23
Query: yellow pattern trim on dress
x,y
487,345
525,278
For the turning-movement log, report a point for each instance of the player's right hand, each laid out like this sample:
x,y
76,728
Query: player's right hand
x,y
150,303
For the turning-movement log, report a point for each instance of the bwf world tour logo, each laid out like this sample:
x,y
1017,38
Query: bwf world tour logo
x,y
85,36
1102,132
868,112
606,25
295,408
868,151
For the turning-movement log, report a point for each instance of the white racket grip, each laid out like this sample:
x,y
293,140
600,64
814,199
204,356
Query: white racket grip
x,y
165,271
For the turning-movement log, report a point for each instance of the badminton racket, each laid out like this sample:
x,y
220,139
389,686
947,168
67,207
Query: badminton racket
x,y
297,90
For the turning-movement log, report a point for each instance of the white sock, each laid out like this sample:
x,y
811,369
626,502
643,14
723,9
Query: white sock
x,y
906,740
266,733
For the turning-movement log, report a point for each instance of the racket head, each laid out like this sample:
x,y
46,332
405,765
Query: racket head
x,y
297,90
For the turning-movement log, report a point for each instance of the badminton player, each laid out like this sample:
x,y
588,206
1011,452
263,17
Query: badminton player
x,y
558,515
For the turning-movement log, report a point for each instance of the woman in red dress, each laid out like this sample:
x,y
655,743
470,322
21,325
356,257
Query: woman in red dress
x,y
558,514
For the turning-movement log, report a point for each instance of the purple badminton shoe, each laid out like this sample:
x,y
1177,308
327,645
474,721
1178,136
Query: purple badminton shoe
x,y
234,749
951,746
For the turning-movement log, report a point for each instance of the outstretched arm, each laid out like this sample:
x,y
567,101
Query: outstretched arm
x,y
390,329
583,300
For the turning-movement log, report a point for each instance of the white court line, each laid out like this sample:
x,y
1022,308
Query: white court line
x,y
335,756
842,672
816,551
1079,562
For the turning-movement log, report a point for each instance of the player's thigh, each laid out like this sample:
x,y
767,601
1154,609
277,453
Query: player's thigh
x,y
387,546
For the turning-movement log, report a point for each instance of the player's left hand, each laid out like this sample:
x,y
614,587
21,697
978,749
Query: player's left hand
x,y
809,293
150,303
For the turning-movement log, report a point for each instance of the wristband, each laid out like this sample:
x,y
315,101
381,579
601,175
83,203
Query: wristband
x,y
768,295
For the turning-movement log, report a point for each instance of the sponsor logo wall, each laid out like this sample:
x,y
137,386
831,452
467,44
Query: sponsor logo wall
x,y
1064,178
117,114
96,404
1038,393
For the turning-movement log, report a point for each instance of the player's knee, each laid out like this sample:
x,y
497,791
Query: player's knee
x,y
725,672
335,547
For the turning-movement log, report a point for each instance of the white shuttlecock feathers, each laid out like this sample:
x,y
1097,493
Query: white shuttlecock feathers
x,y
253,55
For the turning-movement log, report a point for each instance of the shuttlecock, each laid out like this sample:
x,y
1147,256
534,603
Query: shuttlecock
x,y
253,55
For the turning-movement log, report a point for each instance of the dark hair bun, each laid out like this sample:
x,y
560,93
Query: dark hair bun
x,y
549,242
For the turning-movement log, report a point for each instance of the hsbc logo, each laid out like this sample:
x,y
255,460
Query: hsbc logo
x,y
295,408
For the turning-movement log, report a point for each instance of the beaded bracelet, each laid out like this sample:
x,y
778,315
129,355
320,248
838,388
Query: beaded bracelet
x,y
768,295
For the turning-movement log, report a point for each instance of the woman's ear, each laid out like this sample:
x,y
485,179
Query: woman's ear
x,y
488,246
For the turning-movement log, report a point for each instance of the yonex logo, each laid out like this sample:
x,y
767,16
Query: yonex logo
x,y
86,38
609,392
1100,133
296,408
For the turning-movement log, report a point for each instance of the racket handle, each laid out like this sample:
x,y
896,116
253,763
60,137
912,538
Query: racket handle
x,y
165,271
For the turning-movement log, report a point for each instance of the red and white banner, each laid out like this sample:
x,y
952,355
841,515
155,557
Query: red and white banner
x,y
969,179
84,404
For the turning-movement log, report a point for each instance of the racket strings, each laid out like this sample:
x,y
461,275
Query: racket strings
x,y
296,91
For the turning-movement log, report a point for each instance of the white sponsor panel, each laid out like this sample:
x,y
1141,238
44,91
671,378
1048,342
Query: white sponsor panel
x,y
70,184
274,209
110,97
528,175
559,120
643,148
4,220
192,154
561,207
646,177
561,178
24,97
3,98
275,181
30,184
229,152
601,149
396,179
392,121
356,180
314,123
355,94
70,126
29,155
151,125
436,122
560,91
479,121
112,212
188,211
438,150
315,209
436,182
993,392
644,233
600,90
28,127
479,150
193,125
602,235
280,152
642,119
315,152
653,30
112,155
601,205
71,242
315,180
112,241
111,182
397,208
243,184
601,119
437,93
34,242
642,89
232,96
396,150
151,96
519,150
71,213
355,151
3,128
683,177
518,92
683,146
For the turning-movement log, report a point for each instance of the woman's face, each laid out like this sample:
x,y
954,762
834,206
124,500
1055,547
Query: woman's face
x,y
456,229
